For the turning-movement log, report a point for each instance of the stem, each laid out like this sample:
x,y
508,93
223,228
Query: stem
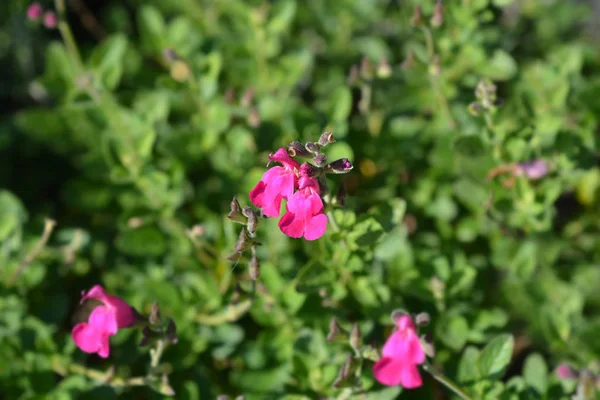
x,y
67,35
49,225
453,387
156,354
429,42
334,224
232,313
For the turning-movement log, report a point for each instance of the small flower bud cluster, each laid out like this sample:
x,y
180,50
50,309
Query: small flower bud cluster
x,y
35,13
437,19
349,374
157,329
247,239
246,108
487,101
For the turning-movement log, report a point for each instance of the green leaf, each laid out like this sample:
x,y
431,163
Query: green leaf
x,y
453,331
468,367
146,241
502,3
107,59
535,372
469,146
152,29
496,356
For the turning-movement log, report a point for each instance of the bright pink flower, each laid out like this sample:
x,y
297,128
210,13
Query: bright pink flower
x,y
276,184
34,11
104,321
50,20
401,354
564,371
304,216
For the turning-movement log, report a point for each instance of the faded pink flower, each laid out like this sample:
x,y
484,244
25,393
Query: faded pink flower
x,y
564,371
104,321
276,184
304,216
535,169
50,20
34,11
401,354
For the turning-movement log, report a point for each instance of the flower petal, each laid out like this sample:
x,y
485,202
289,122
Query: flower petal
x,y
387,371
103,319
410,377
291,225
86,338
315,227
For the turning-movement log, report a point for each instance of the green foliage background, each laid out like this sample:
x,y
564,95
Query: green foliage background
x,y
127,157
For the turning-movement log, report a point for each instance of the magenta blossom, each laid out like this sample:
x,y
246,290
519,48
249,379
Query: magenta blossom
x,y
565,371
50,20
276,184
535,169
34,11
304,216
401,354
104,321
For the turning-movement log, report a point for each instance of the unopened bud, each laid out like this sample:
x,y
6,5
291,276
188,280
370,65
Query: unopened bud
x,y
246,99
229,95
383,69
341,166
353,75
366,69
355,338
320,160
438,15
336,333
222,397
345,372
254,267
340,196
169,55
326,138
240,398
565,371
252,219
397,314
50,20
154,314
312,147
235,214
485,92
297,149
34,11
172,332
422,319
180,71
417,17
146,336
253,118
409,61
308,170
475,108
427,345
244,242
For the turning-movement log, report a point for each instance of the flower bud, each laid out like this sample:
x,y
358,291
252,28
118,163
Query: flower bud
x,y
565,371
346,371
235,214
34,11
154,314
308,170
172,332
244,242
297,149
50,20
320,160
417,17
326,138
438,15
180,71
312,147
435,68
475,108
146,336
252,219
341,166
169,55
397,314
366,69
247,97
422,319
353,75
229,95
383,69
355,338
253,118
254,267
427,345
340,196
409,61
336,333
222,397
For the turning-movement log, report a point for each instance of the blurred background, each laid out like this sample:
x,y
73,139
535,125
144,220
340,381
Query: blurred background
x,y
472,128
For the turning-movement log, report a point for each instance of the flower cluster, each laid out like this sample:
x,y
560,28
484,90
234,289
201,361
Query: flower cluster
x,y
302,185
109,316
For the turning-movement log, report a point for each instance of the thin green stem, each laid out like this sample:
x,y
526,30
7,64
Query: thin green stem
x,y
334,224
156,354
67,35
429,42
453,387
32,255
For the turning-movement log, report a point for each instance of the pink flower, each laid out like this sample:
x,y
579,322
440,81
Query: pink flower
x,y
304,216
104,321
34,11
50,20
276,184
401,354
564,371
535,169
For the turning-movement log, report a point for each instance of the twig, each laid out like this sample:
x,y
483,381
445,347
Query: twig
x,y
49,225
